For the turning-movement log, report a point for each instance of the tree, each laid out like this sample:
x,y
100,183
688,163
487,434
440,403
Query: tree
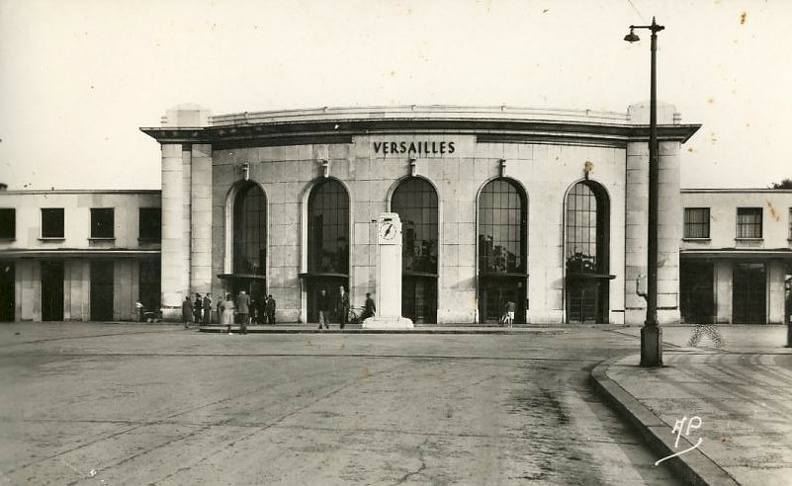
x,y
784,184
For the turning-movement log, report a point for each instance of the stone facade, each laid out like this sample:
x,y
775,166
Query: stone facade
x,y
543,153
29,255
723,252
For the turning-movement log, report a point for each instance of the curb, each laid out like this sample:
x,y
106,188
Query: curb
x,y
693,467
358,330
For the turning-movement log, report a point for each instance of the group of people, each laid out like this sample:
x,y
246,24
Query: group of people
x,y
229,310
340,303
243,310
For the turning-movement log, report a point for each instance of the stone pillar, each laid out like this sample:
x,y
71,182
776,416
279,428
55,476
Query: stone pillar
x,y
174,265
669,233
724,277
669,218
201,220
635,229
776,272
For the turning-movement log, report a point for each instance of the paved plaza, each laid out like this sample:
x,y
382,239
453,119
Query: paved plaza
x,y
144,404
739,388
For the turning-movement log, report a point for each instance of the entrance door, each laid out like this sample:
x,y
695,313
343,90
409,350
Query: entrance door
x,y
102,290
697,289
750,294
52,291
7,293
494,294
419,299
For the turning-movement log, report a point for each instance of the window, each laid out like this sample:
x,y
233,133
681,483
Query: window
x,y
587,251
416,202
250,230
7,223
102,223
150,224
749,222
503,249
502,224
328,227
697,223
52,223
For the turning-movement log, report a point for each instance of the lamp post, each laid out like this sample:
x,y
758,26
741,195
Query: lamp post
x,y
651,333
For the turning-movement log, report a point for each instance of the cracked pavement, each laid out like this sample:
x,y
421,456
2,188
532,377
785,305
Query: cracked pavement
x,y
136,404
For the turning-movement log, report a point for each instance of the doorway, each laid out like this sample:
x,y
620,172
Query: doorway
x,y
102,291
52,290
749,302
495,292
7,291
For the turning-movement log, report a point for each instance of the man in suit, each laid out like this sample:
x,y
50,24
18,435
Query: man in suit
x,y
243,310
342,306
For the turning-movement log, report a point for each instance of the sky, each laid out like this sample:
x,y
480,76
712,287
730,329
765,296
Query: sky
x,y
79,77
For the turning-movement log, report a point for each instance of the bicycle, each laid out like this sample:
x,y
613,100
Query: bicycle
x,y
353,317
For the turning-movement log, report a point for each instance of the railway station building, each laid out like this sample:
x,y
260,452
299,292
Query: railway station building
x,y
545,208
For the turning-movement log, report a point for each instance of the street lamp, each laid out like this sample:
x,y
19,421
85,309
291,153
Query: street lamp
x,y
651,333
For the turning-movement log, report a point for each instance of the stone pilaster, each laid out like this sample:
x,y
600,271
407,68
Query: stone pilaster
x,y
669,233
724,278
201,219
636,229
175,269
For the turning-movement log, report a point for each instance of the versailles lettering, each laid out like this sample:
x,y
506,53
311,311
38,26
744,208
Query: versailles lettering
x,y
414,148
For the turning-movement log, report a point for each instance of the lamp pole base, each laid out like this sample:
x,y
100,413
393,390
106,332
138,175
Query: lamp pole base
x,y
651,346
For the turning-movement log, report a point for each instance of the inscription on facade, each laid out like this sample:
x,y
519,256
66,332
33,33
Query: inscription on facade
x,y
414,148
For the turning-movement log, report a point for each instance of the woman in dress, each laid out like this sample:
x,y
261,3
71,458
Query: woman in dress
x,y
227,318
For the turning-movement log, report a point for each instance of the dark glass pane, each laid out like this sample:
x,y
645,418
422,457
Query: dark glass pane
x,y
150,220
52,223
250,230
416,202
502,224
102,223
581,230
328,228
7,223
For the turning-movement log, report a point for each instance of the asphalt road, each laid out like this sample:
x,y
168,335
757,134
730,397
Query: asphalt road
x,y
136,404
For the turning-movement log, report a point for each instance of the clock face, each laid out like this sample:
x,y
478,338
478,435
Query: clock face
x,y
387,231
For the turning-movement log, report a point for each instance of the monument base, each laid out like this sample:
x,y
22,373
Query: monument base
x,y
385,322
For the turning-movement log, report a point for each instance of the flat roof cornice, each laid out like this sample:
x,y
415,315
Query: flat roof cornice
x,y
258,131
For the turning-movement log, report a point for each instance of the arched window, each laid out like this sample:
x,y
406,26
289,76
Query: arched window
x,y
503,249
328,228
587,250
250,231
415,200
328,243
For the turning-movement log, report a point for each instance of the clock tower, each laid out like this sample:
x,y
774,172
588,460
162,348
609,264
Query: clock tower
x,y
389,276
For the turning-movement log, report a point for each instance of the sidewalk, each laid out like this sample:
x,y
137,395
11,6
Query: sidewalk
x,y
418,329
742,394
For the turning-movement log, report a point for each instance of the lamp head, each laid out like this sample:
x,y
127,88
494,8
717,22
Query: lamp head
x,y
631,37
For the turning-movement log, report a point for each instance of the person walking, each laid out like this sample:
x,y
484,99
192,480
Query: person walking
x,y
369,308
207,309
198,309
140,310
187,312
243,311
324,308
509,312
270,309
227,309
342,306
